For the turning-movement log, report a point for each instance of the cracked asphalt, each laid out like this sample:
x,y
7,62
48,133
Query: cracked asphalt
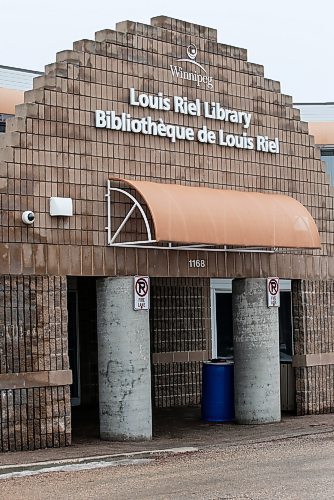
x,y
296,468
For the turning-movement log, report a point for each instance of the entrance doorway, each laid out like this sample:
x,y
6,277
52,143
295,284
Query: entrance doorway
x,y
82,349
222,333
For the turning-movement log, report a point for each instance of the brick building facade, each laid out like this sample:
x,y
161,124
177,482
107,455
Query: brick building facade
x,y
53,148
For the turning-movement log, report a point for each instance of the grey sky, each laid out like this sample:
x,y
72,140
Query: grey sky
x,y
293,39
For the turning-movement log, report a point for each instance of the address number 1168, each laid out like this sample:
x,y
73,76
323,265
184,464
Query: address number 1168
x,y
197,263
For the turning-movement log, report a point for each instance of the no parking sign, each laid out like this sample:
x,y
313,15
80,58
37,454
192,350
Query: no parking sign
x,y
141,294
273,292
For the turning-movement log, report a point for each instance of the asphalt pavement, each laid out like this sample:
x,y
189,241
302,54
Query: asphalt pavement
x,y
187,458
179,427
297,468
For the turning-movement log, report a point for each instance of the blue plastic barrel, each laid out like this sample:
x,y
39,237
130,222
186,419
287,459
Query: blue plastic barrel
x,y
218,391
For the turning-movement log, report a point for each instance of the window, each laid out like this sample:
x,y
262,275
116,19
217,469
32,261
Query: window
x,y
327,155
222,319
3,119
224,322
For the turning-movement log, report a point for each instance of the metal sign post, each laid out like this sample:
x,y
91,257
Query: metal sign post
x,y
141,289
273,294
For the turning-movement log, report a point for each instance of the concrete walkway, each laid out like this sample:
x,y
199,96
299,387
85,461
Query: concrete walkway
x,y
180,428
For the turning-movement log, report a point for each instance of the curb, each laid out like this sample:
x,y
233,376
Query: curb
x,y
91,462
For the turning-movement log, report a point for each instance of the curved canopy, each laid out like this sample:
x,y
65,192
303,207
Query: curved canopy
x,y
200,215
9,99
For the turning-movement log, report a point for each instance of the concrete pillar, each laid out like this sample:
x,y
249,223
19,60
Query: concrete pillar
x,y
256,353
124,362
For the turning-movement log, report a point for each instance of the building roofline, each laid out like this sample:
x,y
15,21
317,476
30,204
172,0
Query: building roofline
x,y
22,70
313,103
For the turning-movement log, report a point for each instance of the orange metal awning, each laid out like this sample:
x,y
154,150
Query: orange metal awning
x,y
205,216
9,98
323,132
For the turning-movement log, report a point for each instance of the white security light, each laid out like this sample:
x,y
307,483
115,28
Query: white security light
x,y
28,217
61,207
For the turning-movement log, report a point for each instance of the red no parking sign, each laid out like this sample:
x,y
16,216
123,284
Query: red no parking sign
x,y
141,293
273,292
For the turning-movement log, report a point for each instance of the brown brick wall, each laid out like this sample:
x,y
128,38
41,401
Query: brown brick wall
x,y
313,322
33,340
177,384
51,148
180,339
35,418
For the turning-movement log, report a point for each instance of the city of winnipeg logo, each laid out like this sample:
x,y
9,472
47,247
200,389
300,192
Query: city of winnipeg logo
x,y
197,74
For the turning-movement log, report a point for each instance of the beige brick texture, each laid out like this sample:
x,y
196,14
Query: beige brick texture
x,y
313,324
52,148
35,412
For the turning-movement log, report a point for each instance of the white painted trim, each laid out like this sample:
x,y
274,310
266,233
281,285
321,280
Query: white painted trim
x,y
217,285
163,246
221,284
213,323
112,236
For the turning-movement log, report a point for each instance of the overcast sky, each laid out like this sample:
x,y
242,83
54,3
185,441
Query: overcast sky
x,y
293,39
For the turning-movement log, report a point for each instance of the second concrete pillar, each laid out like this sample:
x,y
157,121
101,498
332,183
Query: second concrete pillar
x,y
256,353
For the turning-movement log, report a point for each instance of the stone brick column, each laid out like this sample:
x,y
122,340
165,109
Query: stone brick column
x,y
180,339
34,369
256,353
124,362
313,327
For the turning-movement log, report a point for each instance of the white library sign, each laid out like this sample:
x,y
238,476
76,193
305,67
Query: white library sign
x,y
125,122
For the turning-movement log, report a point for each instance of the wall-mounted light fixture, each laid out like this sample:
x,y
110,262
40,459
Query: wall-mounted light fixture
x,y
61,207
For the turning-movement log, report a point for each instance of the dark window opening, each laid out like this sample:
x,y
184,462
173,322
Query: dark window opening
x,y
3,118
224,319
285,326
327,152
83,357
73,344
